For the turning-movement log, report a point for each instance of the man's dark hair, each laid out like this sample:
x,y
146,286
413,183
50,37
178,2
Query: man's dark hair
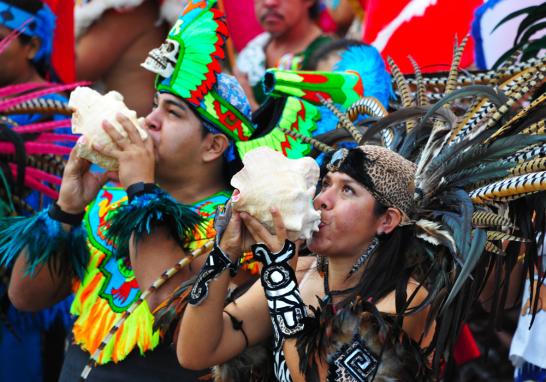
x,y
327,49
314,10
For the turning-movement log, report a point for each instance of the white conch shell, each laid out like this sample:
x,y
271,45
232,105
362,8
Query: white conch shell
x,y
269,179
91,108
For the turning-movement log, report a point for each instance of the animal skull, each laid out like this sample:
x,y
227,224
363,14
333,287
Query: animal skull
x,y
162,60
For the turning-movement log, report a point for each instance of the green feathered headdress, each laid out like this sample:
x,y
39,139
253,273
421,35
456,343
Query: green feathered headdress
x,y
188,65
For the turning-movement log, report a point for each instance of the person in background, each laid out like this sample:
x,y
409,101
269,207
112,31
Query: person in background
x,y
291,36
112,39
31,344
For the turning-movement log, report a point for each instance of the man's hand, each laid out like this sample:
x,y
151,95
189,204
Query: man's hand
x,y
79,186
135,155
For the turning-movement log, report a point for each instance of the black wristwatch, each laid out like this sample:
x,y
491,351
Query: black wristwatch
x,y
56,213
141,188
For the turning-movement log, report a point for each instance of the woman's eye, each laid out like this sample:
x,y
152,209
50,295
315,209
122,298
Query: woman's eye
x,y
174,113
348,190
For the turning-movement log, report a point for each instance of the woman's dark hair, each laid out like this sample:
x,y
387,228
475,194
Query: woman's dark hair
x,y
33,6
398,258
324,51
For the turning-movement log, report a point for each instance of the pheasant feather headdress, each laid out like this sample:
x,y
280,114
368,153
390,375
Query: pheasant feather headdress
x,y
479,176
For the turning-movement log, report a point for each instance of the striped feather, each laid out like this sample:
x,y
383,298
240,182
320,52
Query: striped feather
x,y
420,97
477,115
366,105
520,115
490,219
314,142
512,99
40,105
497,235
535,128
403,89
343,119
534,165
457,54
12,102
510,189
492,248
527,153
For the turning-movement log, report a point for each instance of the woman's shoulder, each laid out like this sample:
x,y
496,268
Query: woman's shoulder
x,y
414,291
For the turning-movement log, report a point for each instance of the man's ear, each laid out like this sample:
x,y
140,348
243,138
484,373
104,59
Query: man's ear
x,y
33,47
389,221
214,146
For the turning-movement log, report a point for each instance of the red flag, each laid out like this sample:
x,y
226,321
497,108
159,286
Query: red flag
x,y
63,56
424,29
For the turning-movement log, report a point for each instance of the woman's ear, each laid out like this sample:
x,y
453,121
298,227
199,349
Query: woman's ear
x,y
214,146
33,47
389,221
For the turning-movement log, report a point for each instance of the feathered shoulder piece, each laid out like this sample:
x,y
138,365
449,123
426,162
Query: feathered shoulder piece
x,y
359,343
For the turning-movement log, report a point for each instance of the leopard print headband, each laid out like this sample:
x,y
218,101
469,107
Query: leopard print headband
x,y
385,174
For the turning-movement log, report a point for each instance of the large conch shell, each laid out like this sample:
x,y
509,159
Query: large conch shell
x,y
91,108
269,179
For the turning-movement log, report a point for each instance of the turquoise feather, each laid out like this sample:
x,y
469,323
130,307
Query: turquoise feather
x,y
44,242
145,212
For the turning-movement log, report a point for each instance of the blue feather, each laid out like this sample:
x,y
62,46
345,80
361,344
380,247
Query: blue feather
x,y
46,243
367,61
146,211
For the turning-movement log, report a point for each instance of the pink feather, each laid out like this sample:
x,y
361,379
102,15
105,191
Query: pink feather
x,y
33,184
54,137
37,174
36,148
37,94
42,126
21,88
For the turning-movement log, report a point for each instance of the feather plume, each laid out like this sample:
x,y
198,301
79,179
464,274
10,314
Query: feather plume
x,y
488,219
434,234
135,219
497,235
457,55
421,97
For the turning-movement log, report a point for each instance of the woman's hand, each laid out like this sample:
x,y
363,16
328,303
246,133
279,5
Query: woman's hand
x,y
135,155
80,186
231,242
262,235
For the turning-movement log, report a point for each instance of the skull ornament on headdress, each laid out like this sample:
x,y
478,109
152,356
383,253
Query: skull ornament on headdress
x,y
162,60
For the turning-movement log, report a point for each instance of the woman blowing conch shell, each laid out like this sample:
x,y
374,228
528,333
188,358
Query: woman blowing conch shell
x,y
268,180
91,109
